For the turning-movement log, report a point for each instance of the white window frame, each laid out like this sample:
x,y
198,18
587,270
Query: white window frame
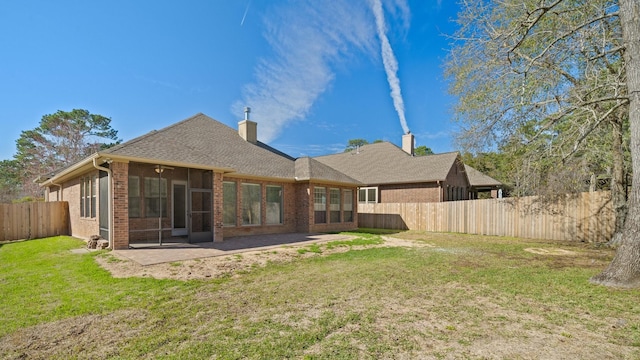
x,y
88,197
367,200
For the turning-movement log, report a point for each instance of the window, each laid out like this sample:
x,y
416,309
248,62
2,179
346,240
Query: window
x,y
320,205
251,197
134,196
347,205
82,197
155,197
229,203
334,205
94,195
274,204
368,195
88,195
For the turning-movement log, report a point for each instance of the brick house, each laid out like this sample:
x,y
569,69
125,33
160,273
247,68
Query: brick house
x,y
390,174
200,180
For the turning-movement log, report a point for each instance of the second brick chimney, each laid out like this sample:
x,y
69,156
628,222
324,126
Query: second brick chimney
x,y
408,142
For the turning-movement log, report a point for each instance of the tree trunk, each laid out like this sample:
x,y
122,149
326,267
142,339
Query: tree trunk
x,y
624,270
618,194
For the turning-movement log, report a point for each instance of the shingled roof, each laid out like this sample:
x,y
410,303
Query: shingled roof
x,y
478,179
203,141
310,169
385,163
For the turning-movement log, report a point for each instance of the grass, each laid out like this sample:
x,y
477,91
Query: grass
x,y
448,298
359,239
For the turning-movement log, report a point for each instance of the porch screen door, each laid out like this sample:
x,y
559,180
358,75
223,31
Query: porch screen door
x,y
179,208
103,215
201,216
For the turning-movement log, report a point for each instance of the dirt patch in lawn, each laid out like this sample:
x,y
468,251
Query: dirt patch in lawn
x,y
551,251
88,337
233,265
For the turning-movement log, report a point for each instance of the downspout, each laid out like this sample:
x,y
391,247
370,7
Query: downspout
x,y
110,202
61,198
439,192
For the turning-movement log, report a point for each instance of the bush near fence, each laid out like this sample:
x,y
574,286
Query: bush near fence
x,y
585,217
33,220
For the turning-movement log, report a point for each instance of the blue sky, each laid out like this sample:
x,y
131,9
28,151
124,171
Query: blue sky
x,y
315,73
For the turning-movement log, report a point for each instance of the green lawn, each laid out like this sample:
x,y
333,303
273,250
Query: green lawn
x,y
452,296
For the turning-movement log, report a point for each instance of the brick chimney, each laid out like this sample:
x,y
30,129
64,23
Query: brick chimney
x,y
408,142
248,129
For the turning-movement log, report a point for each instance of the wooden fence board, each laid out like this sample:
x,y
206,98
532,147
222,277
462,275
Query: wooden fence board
x,y
33,220
581,217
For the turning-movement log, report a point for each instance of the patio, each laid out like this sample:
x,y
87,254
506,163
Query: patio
x,y
150,254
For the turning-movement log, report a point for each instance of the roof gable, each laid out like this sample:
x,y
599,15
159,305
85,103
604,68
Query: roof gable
x,y
476,178
310,169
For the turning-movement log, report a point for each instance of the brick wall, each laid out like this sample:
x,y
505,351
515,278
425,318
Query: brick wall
x,y
409,193
303,207
81,227
218,233
290,210
120,180
456,185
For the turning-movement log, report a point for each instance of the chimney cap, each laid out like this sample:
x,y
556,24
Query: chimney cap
x,y
247,110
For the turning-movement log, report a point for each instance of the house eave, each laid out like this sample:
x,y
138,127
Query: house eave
x,y
435,182
87,164
328,182
237,175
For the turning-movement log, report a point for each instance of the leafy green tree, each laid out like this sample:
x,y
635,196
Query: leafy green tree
x,y
496,164
354,144
60,140
422,150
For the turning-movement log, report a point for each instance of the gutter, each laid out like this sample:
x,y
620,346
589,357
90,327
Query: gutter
x,y
110,202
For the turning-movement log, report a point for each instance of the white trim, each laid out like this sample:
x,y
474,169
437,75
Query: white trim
x,y
366,200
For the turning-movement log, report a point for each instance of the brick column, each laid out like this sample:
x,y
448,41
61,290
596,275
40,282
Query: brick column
x,y
304,207
218,235
120,194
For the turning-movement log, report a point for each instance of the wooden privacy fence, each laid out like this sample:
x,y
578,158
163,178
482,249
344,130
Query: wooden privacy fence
x,y
33,220
582,217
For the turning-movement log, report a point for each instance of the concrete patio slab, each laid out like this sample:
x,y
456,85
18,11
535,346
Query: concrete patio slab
x,y
150,254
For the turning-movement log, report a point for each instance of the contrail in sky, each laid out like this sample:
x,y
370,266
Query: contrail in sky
x,y
308,40
246,10
390,63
